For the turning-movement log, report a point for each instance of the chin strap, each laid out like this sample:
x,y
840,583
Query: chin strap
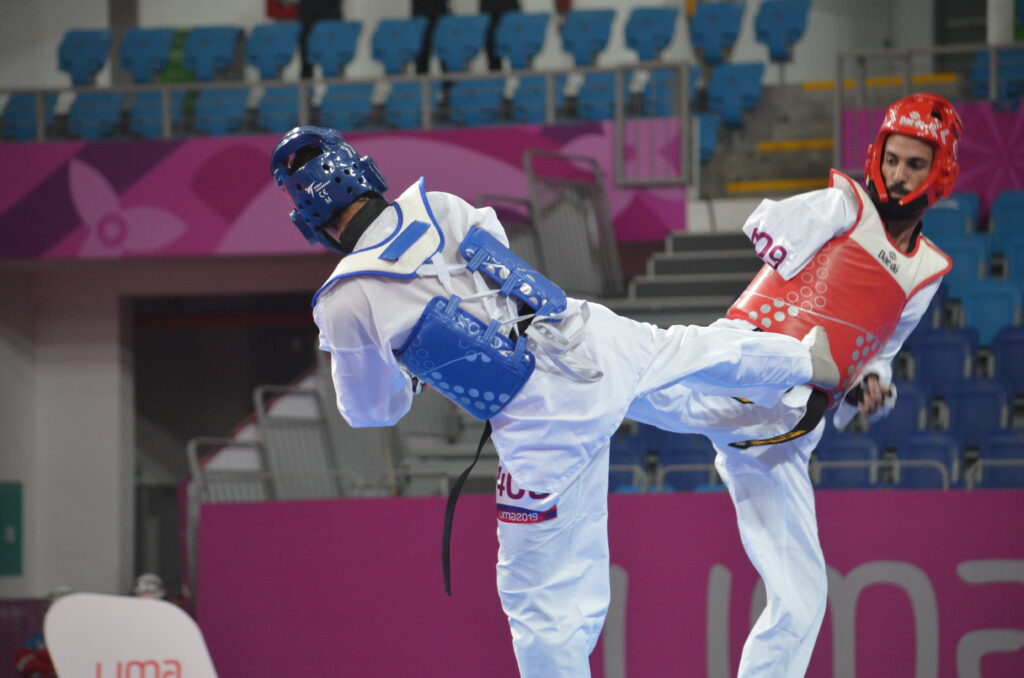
x,y
893,210
358,224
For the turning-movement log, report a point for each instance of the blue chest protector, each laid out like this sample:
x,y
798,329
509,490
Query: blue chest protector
x,y
469,360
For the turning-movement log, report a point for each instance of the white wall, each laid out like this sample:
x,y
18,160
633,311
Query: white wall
x,y
66,407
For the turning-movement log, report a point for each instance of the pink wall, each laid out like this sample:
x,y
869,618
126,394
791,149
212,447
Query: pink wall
x,y
214,196
353,587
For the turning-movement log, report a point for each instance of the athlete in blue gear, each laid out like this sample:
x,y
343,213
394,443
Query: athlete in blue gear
x,y
427,289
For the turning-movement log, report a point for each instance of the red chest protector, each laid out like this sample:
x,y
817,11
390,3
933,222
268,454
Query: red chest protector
x,y
856,287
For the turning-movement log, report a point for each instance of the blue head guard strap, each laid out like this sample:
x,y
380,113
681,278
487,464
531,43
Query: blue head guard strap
x,y
326,183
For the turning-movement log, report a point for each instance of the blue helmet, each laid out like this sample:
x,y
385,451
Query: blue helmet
x,y
327,182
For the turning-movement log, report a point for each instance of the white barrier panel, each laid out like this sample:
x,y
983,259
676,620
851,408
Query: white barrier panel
x,y
99,636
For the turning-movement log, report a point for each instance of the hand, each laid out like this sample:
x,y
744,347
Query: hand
x,y
872,394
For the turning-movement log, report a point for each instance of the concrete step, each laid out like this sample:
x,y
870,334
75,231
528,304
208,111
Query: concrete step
x,y
682,241
705,261
697,285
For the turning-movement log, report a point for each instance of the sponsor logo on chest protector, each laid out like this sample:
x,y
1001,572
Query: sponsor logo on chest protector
x,y
888,260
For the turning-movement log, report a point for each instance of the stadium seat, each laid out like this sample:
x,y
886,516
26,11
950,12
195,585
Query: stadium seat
x,y
1008,353
459,38
145,114
977,407
685,462
908,416
1009,74
271,46
969,263
779,24
942,359
596,98
847,463
713,29
278,109
332,45
18,120
94,115
650,30
145,52
520,37
404,105
220,111
528,102
209,49
1013,259
626,464
1001,461
734,88
660,93
969,204
1006,218
990,305
585,33
396,42
82,53
709,124
347,107
475,102
918,455
945,223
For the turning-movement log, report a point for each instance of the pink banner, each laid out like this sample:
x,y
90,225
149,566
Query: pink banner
x,y
920,582
214,195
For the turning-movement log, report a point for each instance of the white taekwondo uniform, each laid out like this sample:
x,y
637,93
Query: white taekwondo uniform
x,y
829,262
553,436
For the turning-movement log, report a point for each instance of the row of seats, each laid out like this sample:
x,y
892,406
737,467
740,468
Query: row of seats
x,y
660,461
482,101
144,52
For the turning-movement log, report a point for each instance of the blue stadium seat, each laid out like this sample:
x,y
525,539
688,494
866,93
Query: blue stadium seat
x,y
585,33
1006,218
94,115
1002,460
404,105
529,99
1013,258
908,416
19,117
945,223
271,46
278,109
475,102
990,305
520,37
709,124
685,462
969,204
626,464
596,98
856,459
734,88
942,359
650,30
1009,74
82,53
145,114
660,93
923,450
713,29
347,107
209,49
969,263
145,52
1008,353
396,42
459,38
779,24
332,44
220,111
977,407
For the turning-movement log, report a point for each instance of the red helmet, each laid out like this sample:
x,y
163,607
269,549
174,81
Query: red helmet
x,y
929,118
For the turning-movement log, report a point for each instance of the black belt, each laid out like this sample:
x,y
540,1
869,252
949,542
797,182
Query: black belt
x,y
453,496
